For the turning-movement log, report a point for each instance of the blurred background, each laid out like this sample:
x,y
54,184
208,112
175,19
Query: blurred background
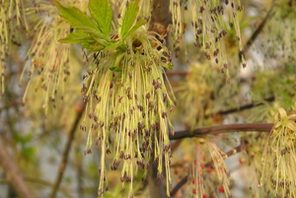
x,y
36,121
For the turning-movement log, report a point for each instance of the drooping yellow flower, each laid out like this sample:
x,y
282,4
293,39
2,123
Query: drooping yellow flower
x,y
47,67
11,16
210,22
131,108
279,158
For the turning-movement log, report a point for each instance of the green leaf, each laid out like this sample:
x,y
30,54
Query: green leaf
x,y
76,18
129,17
29,153
85,40
168,66
101,11
75,37
116,65
94,45
138,24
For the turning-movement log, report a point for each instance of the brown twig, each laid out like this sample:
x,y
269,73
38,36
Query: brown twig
x,y
79,171
243,107
257,32
63,164
228,154
179,185
160,19
184,180
13,173
260,127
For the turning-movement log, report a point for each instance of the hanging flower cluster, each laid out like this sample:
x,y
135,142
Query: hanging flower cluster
x,y
278,173
127,96
211,21
3,43
47,67
11,15
210,174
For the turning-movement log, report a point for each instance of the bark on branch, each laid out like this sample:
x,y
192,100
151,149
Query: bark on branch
x,y
257,32
13,173
66,153
260,127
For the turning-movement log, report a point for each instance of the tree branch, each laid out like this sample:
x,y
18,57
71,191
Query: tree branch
x,y
160,17
13,173
243,107
257,32
180,73
63,164
179,185
260,127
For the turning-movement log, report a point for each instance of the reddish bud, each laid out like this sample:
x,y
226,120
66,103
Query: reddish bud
x,y
194,191
193,181
221,189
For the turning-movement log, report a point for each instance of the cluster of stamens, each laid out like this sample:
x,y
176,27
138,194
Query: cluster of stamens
x,y
127,110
